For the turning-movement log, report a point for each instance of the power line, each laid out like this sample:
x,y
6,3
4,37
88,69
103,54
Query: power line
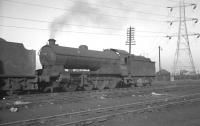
x,y
50,7
43,21
146,4
198,2
43,29
177,1
173,1
122,9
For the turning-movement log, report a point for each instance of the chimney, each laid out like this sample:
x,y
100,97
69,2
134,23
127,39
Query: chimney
x,y
52,41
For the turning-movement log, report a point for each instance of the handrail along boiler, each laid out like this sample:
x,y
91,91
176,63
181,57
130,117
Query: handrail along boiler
x,y
72,68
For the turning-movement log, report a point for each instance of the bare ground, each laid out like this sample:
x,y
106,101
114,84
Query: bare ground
x,y
181,115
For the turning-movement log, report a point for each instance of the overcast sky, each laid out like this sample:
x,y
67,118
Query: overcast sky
x,y
100,24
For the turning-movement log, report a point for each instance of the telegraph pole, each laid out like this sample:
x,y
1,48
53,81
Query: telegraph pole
x,y
130,41
159,48
130,38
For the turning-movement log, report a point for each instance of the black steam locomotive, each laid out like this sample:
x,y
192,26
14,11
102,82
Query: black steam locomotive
x,y
70,69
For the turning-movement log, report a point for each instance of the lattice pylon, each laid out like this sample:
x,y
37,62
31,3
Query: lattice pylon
x,y
183,57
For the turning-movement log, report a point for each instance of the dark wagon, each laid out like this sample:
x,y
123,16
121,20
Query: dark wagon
x,y
17,67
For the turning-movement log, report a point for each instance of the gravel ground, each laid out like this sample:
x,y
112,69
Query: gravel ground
x,y
52,109
180,115
102,100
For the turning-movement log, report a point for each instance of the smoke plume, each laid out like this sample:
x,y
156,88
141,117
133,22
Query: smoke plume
x,y
79,13
85,13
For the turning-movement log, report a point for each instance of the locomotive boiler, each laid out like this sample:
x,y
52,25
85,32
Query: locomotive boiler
x,y
58,58
72,68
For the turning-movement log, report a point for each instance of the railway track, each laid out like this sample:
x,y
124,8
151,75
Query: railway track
x,y
36,95
82,95
100,115
72,93
77,93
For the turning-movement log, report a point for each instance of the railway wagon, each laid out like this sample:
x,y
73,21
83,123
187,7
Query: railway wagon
x,y
72,68
17,66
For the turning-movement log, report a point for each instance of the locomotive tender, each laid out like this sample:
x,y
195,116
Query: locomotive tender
x,y
17,67
77,68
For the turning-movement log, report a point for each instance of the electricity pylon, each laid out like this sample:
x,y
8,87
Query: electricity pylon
x,y
183,60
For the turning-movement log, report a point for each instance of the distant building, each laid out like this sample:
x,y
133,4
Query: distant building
x,y
187,77
163,75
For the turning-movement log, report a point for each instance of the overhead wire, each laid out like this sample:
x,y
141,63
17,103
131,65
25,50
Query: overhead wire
x,y
25,19
189,1
44,29
44,21
121,9
78,25
173,1
146,4
50,7
39,5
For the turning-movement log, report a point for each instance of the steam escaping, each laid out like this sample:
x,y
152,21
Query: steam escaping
x,y
86,13
79,13
57,25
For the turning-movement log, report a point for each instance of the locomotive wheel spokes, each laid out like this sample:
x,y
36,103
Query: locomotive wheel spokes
x,y
112,84
70,87
88,86
49,89
139,82
100,85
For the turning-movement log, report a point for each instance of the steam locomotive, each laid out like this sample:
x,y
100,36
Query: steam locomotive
x,y
70,69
